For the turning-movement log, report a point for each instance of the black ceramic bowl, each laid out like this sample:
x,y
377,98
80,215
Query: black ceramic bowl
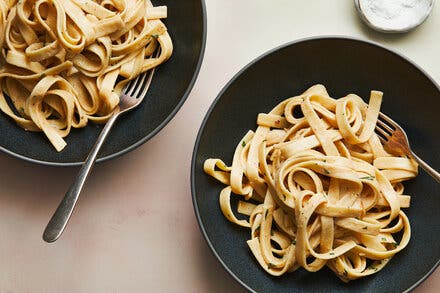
x,y
343,65
171,84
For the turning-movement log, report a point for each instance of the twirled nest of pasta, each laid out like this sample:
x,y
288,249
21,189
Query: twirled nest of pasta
x,y
65,62
318,187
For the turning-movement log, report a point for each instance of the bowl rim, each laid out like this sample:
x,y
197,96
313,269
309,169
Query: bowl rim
x,y
148,136
221,93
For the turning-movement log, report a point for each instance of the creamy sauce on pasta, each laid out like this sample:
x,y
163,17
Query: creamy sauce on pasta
x,y
65,62
318,189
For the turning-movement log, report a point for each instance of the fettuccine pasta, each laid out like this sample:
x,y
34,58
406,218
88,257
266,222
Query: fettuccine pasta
x,y
318,188
65,62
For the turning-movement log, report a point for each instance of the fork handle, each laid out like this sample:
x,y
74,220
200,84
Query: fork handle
x,y
59,220
433,173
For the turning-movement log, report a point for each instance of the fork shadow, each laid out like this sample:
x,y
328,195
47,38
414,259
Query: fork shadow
x,y
33,192
30,187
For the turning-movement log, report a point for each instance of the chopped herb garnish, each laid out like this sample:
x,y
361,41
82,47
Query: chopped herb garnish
x,y
368,177
395,244
384,239
243,143
155,36
294,241
324,160
270,265
371,267
332,253
326,171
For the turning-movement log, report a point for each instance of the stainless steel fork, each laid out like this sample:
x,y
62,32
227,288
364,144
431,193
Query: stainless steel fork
x,y
395,141
131,97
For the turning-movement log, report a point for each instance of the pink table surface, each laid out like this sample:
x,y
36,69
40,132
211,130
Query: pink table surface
x,y
134,228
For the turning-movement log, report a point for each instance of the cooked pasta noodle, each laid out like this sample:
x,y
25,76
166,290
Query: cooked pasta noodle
x,y
318,187
65,62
